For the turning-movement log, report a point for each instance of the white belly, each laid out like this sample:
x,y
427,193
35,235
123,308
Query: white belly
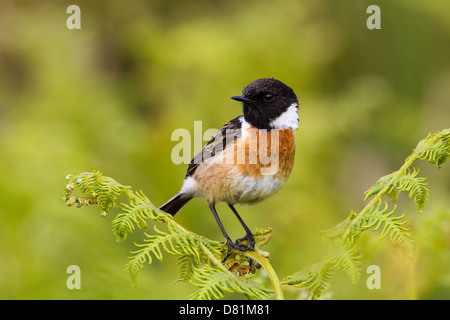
x,y
251,190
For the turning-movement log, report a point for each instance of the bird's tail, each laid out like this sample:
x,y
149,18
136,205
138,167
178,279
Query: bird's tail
x,y
175,203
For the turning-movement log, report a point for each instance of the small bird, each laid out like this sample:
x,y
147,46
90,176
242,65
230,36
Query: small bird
x,y
234,166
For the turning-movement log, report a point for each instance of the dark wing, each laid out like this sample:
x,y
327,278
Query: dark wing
x,y
227,134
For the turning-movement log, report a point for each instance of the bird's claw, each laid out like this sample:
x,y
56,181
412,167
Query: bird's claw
x,y
239,246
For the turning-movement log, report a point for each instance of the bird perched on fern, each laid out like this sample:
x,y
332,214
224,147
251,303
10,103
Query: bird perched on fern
x,y
249,159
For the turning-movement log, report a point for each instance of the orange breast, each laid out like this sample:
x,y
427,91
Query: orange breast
x,y
257,154
267,152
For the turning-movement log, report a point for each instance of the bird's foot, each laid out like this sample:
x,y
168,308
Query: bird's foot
x,y
251,242
241,246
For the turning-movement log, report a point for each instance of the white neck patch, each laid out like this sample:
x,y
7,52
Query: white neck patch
x,y
288,119
244,124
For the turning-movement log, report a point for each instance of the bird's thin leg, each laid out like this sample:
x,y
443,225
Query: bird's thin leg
x,y
248,236
229,242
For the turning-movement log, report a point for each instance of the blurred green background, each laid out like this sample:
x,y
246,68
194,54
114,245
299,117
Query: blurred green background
x,y
107,97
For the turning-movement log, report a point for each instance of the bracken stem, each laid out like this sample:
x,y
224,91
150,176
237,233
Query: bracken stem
x,y
270,271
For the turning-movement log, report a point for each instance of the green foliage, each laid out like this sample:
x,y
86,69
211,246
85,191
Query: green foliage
x,y
213,282
199,258
317,278
109,96
434,148
343,238
409,182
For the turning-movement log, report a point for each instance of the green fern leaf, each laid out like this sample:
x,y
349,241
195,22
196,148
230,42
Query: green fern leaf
x,y
416,186
137,212
394,227
316,278
172,242
97,189
435,148
125,222
186,265
199,259
409,182
214,283
369,220
379,185
345,258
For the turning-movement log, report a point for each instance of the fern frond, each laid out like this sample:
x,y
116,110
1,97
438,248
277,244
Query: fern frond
x,y
124,222
338,230
435,148
408,181
137,212
172,242
104,190
186,265
316,278
394,227
368,221
383,182
108,190
213,283
345,258
416,186
199,258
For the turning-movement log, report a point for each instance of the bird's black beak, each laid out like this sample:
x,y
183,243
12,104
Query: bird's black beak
x,y
241,98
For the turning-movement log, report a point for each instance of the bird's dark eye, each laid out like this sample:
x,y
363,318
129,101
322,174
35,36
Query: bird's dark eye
x,y
268,97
